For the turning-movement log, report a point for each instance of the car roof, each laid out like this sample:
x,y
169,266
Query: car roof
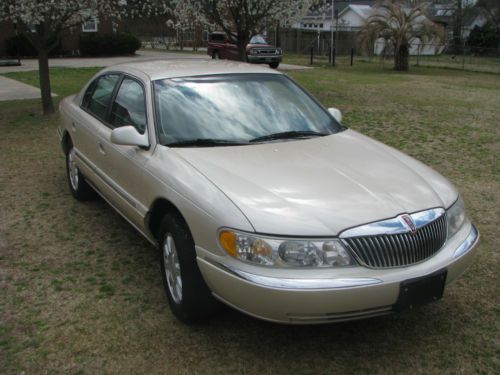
x,y
161,69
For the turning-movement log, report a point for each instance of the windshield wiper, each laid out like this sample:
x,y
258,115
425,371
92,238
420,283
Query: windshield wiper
x,y
288,134
205,142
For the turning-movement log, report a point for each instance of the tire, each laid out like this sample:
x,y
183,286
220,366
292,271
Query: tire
x,y
79,188
188,295
216,55
274,65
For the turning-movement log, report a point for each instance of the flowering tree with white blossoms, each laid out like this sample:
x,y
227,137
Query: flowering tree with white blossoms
x,y
186,16
44,21
244,18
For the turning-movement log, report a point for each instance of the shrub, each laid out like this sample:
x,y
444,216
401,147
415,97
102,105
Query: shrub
x,y
484,40
20,44
108,44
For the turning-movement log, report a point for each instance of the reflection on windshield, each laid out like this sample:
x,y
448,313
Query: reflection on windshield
x,y
235,108
257,39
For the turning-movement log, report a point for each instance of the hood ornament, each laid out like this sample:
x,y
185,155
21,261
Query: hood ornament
x,y
409,223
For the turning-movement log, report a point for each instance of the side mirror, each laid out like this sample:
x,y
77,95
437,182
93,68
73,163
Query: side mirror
x,y
129,136
337,115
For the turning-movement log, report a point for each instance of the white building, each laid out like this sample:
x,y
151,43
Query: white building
x,y
321,18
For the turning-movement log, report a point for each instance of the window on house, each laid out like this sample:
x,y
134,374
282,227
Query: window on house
x,y
90,26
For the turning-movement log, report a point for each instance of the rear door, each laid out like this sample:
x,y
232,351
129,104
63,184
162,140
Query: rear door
x,y
88,127
232,52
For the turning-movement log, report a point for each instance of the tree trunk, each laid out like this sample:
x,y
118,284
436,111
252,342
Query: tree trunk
x,y
401,58
242,50
278,36
457,28
43,68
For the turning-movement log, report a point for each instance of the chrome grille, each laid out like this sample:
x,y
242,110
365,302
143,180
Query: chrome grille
x,y
400,249
266,51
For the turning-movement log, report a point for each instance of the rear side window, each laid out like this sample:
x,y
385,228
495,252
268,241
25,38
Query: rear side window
x,y
129,107
98,100
217,37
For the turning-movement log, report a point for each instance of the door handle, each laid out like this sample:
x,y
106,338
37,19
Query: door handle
x,y
73,126
101,149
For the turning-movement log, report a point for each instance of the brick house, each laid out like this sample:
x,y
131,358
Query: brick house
x,y
70,39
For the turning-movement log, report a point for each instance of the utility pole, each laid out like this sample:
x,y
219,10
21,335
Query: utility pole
x,y
331,36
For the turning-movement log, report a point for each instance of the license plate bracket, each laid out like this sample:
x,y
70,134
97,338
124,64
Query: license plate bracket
x,y
421,290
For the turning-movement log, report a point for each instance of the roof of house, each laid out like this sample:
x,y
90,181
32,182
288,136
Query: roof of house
x,y
339,6
363,11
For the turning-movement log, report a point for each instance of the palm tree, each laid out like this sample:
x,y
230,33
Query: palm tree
x,y
400,23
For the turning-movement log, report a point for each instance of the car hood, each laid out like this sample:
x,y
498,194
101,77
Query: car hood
x,y
260,45
320,186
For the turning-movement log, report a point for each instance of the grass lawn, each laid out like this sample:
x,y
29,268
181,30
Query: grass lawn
x,y
81,290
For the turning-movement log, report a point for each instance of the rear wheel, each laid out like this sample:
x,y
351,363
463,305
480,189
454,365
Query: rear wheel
x,y
188,296
79,188
274,65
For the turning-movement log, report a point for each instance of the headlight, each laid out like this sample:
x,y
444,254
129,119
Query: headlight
x,y
285,252
456,216
254,51
279,51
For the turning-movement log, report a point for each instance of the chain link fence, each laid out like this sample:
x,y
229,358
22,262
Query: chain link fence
x,y
348,50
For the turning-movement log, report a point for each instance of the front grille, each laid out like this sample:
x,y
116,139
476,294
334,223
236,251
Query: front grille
x,y
266,52
401,249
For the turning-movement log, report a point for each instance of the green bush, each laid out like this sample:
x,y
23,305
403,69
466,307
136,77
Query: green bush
x,y
19,44
108,44
484,40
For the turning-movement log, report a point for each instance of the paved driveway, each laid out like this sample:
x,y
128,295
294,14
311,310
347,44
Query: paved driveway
x,y
143,55
14,90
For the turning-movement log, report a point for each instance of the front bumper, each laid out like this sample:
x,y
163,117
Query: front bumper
x,y
264,59
326,295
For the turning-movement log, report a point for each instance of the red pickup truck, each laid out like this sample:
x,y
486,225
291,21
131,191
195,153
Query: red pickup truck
x,y
220,46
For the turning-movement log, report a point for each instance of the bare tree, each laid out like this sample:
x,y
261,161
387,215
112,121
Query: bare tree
x,y
399,24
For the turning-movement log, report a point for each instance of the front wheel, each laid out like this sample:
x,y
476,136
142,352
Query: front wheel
x,y
274,65
79,188
188,296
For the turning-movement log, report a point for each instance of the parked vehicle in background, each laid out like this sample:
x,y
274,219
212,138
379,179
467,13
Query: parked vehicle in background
x,y
258,50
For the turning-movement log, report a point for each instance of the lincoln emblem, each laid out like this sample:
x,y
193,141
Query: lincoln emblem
x,y
410,223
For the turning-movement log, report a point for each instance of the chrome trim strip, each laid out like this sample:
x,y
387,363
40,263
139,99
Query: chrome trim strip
x,y
348,315
395,225
284,283
468,244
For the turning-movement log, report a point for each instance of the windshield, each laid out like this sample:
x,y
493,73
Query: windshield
x,y
257,39
236,108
